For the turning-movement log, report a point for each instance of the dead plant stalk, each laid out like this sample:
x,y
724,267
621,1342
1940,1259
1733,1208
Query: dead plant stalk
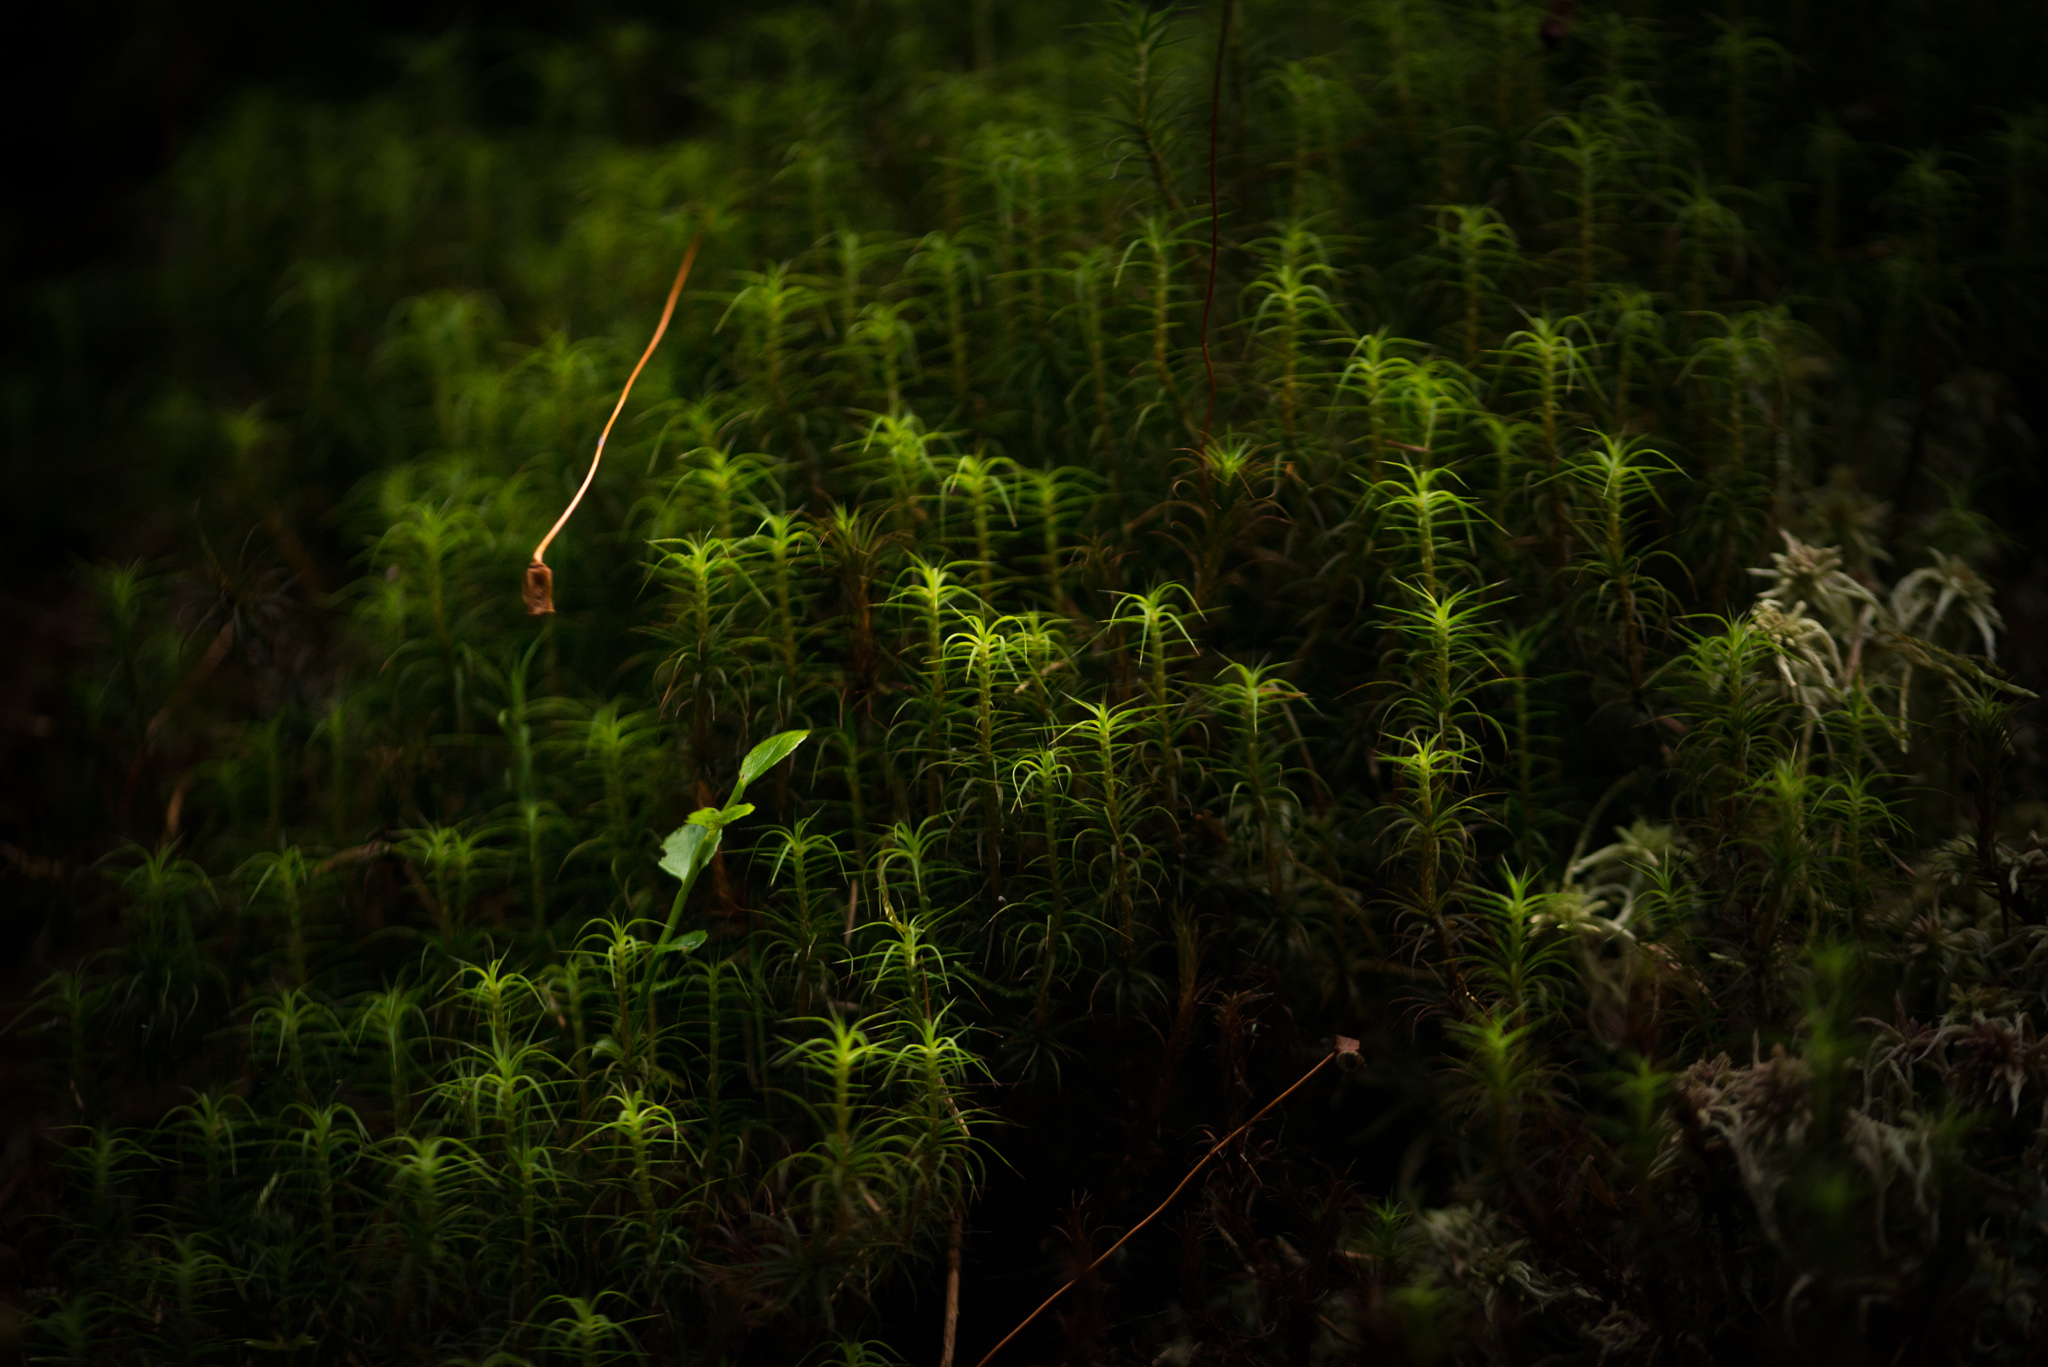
x,y
1344,1045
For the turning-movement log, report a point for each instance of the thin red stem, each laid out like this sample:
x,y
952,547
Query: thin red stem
x,y
1215,1149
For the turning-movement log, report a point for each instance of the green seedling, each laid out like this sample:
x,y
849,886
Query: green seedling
x,y
689,850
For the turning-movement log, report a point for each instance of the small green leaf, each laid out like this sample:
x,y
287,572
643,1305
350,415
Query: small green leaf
x,y
718,818
694,940
766,756
684,855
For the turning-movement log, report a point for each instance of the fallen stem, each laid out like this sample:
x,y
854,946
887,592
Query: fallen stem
x,y
952,1327
1344,1046
539,588
199,674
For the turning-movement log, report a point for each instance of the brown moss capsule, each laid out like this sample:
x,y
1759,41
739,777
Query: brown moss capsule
x,y
539,589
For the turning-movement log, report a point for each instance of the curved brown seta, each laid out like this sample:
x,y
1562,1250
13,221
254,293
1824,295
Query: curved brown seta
x,y
538,589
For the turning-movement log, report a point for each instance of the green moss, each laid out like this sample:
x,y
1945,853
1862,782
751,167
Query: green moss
x,y
1467,621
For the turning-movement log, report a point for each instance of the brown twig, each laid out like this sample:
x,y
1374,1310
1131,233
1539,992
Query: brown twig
x,y
539,588
952,1291
1344,1045
358,854
175,808
198,675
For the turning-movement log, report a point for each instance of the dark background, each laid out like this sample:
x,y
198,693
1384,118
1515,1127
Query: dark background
x,y
100,97
99,100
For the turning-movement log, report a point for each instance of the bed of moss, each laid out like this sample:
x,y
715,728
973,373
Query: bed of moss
x,y
1204,535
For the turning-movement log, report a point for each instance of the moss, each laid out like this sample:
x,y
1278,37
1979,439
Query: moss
x,y
1463,619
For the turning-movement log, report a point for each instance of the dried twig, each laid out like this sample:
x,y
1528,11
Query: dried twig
x,y
1344,1045
952,1327
539,588
199,674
